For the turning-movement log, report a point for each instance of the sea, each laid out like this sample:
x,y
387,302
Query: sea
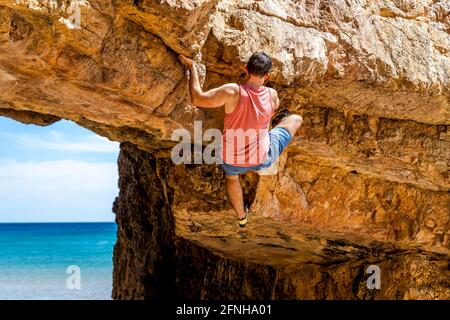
x,y
56,261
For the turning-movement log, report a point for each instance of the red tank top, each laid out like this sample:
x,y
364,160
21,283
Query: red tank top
x,y
245,140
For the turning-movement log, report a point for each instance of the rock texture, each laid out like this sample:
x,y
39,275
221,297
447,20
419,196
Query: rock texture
x,y
180,240
366,181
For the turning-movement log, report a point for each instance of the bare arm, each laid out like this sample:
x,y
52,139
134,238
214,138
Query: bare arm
x,y
195,88
213,98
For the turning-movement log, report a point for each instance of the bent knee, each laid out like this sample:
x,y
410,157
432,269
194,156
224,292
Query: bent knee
x,y
296,121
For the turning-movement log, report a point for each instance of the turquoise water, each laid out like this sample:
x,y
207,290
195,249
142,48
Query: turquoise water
x,y
35,259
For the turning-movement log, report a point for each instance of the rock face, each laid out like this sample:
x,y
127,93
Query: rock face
x,y
177,238
365,182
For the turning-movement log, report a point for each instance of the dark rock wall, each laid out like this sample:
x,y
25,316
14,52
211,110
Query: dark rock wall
x,y
144,252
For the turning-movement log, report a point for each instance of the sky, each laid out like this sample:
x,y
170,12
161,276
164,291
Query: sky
x,y
58,173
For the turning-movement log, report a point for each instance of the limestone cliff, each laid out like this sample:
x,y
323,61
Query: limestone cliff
x,y
366,181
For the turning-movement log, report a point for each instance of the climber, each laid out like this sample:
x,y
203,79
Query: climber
x,y
249,107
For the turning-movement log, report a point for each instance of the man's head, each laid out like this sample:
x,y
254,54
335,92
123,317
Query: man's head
x,y
259,65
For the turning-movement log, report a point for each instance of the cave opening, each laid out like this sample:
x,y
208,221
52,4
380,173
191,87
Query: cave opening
x,y
57,228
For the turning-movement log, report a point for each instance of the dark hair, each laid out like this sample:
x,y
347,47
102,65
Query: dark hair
x,y
259,64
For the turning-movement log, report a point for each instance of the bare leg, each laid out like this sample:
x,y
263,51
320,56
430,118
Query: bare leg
x,y
234,191
291,123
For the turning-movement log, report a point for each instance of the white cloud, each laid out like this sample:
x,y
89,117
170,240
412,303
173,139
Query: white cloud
x,y
56,141
60,190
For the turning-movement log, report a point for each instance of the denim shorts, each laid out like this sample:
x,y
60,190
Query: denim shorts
x,y
279,139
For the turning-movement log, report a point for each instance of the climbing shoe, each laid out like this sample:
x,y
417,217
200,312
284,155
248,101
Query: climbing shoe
x,y
243,221
283,113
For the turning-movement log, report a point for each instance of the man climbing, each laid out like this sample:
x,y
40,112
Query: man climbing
x,y
247,143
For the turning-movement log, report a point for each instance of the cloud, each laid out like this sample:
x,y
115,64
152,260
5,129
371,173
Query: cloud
x,y
58,173
57,141
60,190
